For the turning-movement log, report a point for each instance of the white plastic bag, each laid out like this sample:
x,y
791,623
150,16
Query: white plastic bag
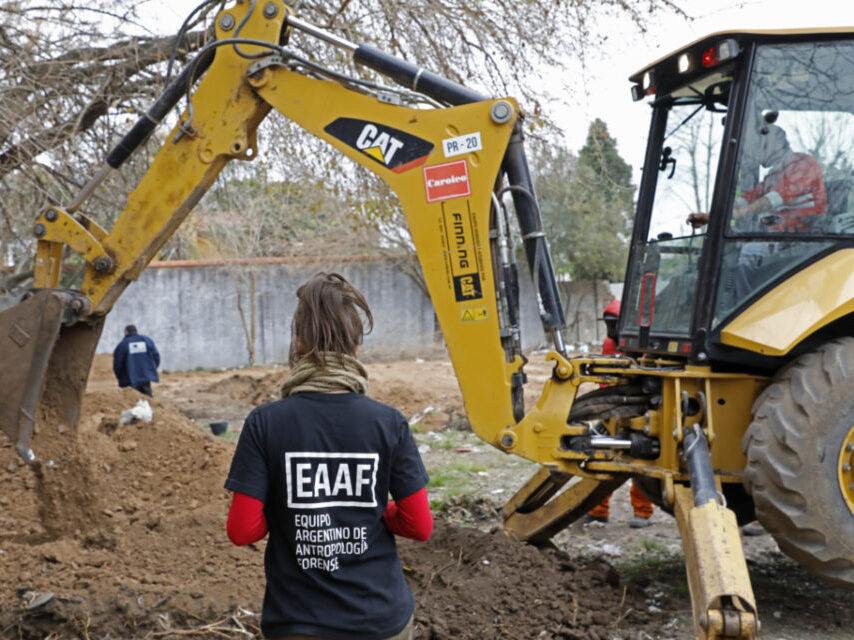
x,y
142,411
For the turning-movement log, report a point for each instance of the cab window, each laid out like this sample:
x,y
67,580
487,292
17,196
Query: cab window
x,y
792,191
666,264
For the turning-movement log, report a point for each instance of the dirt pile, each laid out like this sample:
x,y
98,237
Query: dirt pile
x,y
146,545
248,389
471,585
432,397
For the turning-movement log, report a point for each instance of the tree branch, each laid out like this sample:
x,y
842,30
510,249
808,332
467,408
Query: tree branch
x,y
134,56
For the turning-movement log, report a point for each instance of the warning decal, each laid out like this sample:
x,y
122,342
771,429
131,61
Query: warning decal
x,y
392,148
474,314
446,181
465,272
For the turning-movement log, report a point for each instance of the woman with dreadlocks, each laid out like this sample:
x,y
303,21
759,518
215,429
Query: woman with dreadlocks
x,y
315,470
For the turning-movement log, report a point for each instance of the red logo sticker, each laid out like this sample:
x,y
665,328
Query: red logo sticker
x,y
446,181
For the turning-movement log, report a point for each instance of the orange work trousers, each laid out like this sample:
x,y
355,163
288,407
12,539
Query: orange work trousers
x,y
640,505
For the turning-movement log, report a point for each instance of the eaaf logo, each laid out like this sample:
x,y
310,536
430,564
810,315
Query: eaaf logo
x,y
317,480
446,181
392,148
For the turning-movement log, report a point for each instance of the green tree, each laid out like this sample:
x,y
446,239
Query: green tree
x,y
587,205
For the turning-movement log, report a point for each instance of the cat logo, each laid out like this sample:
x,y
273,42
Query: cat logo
x,y
392,148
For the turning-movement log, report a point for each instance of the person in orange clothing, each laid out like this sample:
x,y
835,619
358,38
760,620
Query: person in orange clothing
x,y
641,505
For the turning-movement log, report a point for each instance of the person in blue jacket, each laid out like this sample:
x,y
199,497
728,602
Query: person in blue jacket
x,y
135,361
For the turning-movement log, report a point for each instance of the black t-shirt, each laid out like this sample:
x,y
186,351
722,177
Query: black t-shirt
x,y
324,464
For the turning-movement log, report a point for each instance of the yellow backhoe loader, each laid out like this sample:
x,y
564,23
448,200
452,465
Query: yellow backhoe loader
x,y
732,396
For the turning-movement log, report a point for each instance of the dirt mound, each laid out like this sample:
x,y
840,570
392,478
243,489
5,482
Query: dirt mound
x,y
471,585
123,524
250,389
430,398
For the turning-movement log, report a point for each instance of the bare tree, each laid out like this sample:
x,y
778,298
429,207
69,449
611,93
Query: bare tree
x,y
699,143
69,78
73,74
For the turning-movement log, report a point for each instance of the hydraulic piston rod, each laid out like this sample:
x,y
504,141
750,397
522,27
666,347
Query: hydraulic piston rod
x,y
699,463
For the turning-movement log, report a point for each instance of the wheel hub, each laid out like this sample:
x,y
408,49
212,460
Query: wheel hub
x,y
846,469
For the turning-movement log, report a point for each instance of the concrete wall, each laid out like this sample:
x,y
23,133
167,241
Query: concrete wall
x,y
191,311
583,303
192,314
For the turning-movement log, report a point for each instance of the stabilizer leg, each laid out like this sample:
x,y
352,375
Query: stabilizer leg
x,y
535,513
721,595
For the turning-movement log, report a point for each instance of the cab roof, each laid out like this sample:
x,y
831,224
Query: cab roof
x,y
706,42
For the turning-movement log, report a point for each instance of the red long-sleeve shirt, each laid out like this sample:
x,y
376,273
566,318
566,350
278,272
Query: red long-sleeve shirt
x,y
409,517
795,191
246,520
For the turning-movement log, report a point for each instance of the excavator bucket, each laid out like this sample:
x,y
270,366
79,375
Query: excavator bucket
x,y
47,356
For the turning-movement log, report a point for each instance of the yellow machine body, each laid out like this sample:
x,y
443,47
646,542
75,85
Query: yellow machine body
x,y
797,308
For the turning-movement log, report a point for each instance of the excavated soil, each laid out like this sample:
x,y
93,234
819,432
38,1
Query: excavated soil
x,y
119,532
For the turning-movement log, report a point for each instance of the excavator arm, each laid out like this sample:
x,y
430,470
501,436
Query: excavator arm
x,y
451,162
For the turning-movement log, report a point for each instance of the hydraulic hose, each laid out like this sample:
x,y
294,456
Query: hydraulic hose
x,y
416,78
148,121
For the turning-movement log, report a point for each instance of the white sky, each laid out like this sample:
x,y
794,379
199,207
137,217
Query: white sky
x,y
605,92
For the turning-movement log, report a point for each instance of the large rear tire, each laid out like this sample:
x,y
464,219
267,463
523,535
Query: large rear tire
x,y
799,456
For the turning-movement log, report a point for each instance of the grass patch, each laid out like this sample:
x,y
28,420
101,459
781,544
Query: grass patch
x,y
452,481
233,436
651,562
653,546
648,555
437,504
465,467
646,566
447,442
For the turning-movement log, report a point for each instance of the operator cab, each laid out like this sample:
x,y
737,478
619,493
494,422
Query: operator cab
x,y
754,134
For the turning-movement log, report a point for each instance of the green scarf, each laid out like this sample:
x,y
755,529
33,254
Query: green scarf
x,y
342,372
